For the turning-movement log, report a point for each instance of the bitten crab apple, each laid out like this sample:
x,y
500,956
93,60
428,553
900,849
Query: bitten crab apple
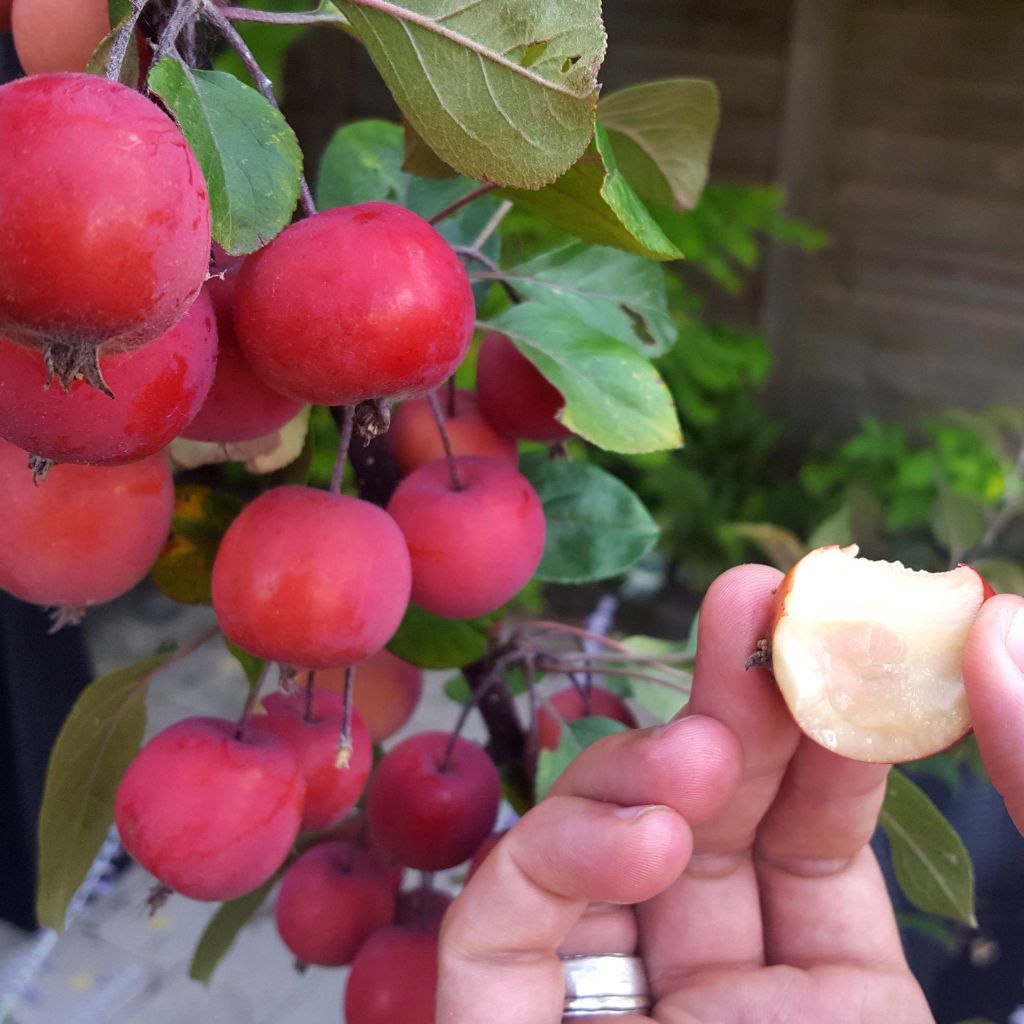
x,y
868,654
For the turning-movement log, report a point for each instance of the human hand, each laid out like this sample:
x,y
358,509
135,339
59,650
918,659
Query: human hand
x,y
742,845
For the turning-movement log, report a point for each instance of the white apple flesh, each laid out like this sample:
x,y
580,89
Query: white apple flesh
x,y
868,655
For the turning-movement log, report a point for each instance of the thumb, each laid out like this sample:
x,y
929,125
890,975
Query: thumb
x,y
994,678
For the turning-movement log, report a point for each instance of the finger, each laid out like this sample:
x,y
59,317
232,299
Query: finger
x,y
499,942
814,866
994,677
710,917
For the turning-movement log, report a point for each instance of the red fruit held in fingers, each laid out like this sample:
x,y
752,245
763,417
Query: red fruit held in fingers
x,y
429,809
211,814
310,578
85,534
160,388
104,218
331,790
239,406
360,302
379,991
514,395
416,439
471,549
571,705
332,899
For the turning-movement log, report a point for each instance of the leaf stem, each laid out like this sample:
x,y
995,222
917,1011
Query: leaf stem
x,y
307,712
344,756
344,443
476,193
184,12
119,49
283,17
492,225
435,408
250,701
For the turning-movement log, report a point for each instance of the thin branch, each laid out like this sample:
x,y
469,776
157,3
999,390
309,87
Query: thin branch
x,y
344,443
185,12
344,755
492,225
480,190
119,49
435,408
250,701
284,17
554,665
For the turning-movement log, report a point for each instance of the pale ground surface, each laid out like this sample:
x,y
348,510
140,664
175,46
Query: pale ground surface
x,y
116,965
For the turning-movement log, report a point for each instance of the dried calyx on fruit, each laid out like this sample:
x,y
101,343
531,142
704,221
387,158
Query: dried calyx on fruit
x,y
868,655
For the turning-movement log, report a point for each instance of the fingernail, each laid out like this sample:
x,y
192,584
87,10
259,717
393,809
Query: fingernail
x,y
635,813
673,726
1015,639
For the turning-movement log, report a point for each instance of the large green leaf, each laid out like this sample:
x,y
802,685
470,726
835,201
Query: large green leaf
x,y
662,133
574,740
501,92
613,396
594,201
932,864
430,641
248,152
617,293
222,929
596,526
97,742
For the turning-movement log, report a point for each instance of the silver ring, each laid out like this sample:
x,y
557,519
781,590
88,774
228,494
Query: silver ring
x,y
597,986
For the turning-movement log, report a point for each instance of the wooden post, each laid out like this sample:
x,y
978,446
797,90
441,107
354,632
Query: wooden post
x,y
812,70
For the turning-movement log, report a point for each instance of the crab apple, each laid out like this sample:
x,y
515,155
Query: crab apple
x,y
360,302
385,693
239,406
211,813
331,790
432,800
474,548
422,907
415,438
394,978
483,851
85,534
331,900
310,578
514,395
356,829
57,35
571,704
159,388
868,654
104,218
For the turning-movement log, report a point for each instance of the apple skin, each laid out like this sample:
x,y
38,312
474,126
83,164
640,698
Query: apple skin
x,y
514,395
159,387
394,978
104,215
416,440
360,302
880,646
211,814
472,549
570,705
332,899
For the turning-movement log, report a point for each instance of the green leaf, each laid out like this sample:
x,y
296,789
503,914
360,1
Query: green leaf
x,y
594,201
97,742
782,547
418,158
596,526
836,529
931,863
574,740
222,929
501,92
430,641
614,398
118,10
663,700
363,163
248,152
251,665
617,293
958,522
662,133
934,928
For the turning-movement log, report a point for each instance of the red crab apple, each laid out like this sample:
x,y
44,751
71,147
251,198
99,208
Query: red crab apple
x,y
159,388
239,406
868,654
385,694
394,978
415,438
310,578
360,302
514,395
474,548
432,800
212,814
57,35
332,790
332,899
422,907
85,534
571,704
104,218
